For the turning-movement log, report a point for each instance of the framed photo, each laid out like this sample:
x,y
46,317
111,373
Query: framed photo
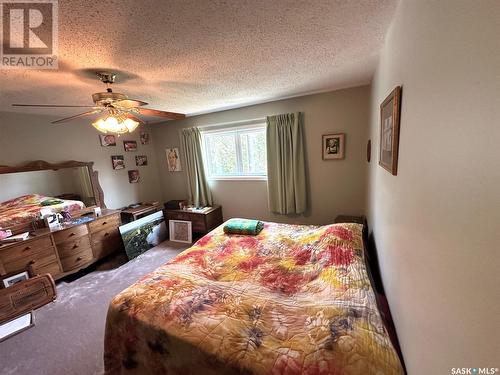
x,y
130,145
173,159
133,176
16,325
180,231
333,146
144,138
389,131
118,161
15,278
107,140
141,160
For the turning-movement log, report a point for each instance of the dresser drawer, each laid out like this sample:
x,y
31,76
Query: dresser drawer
x,y
19,263
26,248
53,268
70,233
179,216
70,247
77,259
106,242
111,221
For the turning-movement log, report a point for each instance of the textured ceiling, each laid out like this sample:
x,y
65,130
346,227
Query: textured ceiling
x,y
195,56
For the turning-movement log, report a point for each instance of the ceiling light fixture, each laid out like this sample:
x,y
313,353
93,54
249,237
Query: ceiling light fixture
x,y
116,123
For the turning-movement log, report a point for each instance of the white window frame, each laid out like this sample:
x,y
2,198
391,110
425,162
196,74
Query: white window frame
x,y
259,124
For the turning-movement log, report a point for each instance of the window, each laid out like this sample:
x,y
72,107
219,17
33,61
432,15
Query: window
x,y
235,152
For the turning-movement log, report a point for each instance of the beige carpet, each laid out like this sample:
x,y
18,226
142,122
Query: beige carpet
x,y
69,333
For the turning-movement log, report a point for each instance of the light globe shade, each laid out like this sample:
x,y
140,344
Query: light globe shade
x,y
115,125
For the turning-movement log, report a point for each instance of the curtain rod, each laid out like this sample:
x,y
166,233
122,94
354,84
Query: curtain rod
x,y
240,122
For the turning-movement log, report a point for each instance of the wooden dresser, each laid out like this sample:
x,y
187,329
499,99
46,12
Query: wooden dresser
x,y
201,222
64,251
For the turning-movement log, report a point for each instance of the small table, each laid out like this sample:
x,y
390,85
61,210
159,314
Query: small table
x,y
201,222
132,214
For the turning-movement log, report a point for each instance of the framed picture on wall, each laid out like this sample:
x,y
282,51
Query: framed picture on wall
x,y
133,176
130,145
389,131
144,138
141,160
173,159
118,161
107,140
333,146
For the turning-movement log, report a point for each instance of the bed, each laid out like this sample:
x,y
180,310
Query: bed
x,y
291,300
27,208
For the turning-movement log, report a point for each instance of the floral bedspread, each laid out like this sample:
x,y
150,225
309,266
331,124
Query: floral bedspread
x,y
27,207
291,300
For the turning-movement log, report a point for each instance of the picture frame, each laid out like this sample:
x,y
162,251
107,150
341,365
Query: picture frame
x,y
130,146
180,231
173,159
144,137
107,140
141,160
17,325
14,278
390,113
118,162
133,176
333,146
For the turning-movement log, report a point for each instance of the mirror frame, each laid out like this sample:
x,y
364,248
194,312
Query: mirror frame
x,y
41,165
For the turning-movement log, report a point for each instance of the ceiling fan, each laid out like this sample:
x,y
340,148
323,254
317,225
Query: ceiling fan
x,y
118,112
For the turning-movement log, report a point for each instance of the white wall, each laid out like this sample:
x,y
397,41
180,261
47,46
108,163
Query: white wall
x,y
437,224
28,137
336,186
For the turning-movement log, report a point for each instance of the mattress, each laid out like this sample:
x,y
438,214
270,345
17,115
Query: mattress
x,y
291,300
27,208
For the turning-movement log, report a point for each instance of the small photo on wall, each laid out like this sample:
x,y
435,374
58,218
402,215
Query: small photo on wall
x,y
107,140
144,138
141,160
333,146
173,160
130,145
118,161
133,176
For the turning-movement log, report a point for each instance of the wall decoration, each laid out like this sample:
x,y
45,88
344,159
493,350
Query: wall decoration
x,y
133,176
130,145
333,146
173,160
389,131
118,161
107,140
14,279
180,231
141,160
143,234
144,138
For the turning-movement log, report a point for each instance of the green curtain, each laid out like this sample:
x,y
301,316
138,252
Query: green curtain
x,y
286,167
199,191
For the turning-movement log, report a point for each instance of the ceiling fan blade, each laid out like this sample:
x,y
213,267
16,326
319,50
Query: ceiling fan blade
x,y
129,103
77,116
155,112
53,105
131,116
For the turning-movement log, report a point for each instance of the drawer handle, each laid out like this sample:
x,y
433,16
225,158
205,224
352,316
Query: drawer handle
x,y
79,259
75,246
104,222
72,234
31,262
106,234
27,248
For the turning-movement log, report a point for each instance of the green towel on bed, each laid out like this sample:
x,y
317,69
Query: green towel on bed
x,y
243,226
51,202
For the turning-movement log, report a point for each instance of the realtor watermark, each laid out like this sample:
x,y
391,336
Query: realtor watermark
x,y
29,34
474,370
